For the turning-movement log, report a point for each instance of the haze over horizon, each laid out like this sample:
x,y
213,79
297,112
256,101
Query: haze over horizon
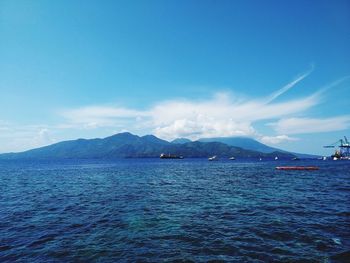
x,y
278,72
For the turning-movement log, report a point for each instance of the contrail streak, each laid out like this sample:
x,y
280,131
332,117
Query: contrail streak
x,y
288,86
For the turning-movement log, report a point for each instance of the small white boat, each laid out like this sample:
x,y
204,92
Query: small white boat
x,y
213,158
276,158
232,158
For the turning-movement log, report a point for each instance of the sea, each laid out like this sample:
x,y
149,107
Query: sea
x,y
190,210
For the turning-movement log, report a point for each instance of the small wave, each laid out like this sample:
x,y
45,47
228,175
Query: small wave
x,y
42,240
281,251
347,214
4,248
323,246
341,257
337,241
103,221
343,189
184,238
76,225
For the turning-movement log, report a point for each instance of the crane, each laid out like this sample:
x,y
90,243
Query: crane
x,y
344,148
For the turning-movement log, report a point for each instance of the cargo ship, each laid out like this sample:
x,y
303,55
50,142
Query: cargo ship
x,y
170,156
343,151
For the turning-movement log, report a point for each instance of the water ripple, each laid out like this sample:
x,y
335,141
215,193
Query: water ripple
x,y
178,211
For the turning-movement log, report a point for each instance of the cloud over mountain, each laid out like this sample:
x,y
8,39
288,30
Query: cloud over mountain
x,y
221,115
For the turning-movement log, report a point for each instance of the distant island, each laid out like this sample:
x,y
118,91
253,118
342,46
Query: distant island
x,y
127,145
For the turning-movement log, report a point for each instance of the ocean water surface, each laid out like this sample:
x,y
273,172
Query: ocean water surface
x,y
152,210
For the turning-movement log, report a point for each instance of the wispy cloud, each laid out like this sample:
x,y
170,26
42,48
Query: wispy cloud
x,y
221,115
311,125
224,114
277,139
331,85
96,116
290,85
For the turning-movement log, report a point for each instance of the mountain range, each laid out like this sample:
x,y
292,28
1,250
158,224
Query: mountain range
x,y
127,145
251,144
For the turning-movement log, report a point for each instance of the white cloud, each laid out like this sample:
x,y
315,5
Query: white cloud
x,y
15,138
311,125
276,139
43,138
203,127
222,115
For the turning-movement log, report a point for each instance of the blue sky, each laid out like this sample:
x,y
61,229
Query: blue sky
x,y
277,71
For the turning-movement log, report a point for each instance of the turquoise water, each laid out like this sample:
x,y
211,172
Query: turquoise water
x,y
151,210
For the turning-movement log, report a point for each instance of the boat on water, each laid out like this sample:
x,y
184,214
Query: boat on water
x,y
324,158
232,158
276,158
343,150
295,159
309,168
339,155
213,158
170,156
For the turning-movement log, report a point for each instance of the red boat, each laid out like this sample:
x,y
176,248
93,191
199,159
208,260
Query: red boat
x,y
297,168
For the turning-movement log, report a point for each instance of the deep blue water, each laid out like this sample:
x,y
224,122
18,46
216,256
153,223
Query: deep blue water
x,y
151,210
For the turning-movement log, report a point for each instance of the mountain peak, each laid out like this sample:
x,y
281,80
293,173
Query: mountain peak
x,y
123,135
153,139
